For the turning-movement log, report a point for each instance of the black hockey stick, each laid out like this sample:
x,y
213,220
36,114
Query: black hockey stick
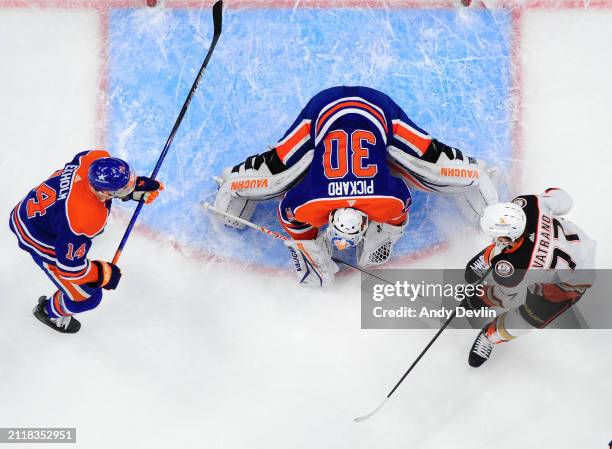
x,y
217,12
431,342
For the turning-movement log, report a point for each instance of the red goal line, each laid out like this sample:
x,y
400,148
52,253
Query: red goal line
x,y
300,4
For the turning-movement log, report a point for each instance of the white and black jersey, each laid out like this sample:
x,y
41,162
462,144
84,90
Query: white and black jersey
x,y
549,251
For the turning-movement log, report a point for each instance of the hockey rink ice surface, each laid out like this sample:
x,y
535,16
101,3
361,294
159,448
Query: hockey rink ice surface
x,y
208,342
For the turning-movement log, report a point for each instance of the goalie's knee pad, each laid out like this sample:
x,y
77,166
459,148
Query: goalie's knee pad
x,y
239,207
474,200
312,262
378,243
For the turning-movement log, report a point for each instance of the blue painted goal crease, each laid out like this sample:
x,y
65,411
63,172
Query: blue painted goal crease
x,y
449,69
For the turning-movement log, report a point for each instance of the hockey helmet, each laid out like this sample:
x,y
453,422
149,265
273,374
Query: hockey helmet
x,y
503,220
112,177
347,227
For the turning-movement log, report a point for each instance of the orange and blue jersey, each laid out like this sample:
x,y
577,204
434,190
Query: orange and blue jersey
x,y
349,130
56,222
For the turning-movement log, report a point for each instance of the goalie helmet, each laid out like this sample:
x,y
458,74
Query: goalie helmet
x,y
347,227
503,220
112,177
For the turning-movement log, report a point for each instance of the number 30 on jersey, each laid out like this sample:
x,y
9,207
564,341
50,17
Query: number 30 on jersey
x,y
339,148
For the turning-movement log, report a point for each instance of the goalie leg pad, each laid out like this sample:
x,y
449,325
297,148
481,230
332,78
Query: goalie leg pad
x,y
312,262
237,206
378,243
473,201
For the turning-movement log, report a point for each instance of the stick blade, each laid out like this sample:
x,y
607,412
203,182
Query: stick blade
x,y
369,415
218,17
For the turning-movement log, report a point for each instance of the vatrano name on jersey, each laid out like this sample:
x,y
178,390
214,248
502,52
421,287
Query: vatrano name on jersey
x,y
543,247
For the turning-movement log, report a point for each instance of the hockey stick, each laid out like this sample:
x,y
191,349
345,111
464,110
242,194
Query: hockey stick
x,y
217,12
431,342
206,205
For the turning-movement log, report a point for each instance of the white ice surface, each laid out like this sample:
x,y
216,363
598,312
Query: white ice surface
x,y
567,113
188,353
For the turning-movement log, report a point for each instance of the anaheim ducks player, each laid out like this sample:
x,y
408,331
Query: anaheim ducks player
x,y
346,161
540,265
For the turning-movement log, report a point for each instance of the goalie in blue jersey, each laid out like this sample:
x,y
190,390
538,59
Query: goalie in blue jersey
x,y
347,161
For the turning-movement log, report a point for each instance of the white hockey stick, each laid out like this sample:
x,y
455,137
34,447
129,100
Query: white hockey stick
x,y
206,205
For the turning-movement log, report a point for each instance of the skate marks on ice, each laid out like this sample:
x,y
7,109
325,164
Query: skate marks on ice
x,y
449,69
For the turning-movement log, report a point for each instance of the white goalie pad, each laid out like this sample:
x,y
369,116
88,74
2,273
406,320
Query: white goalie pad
x,y
240,188
312,262
465,178
473,201
260,183
233,205
378,242
445,176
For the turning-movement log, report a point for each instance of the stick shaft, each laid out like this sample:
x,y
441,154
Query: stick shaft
x,y
423,352
279,236
431,342
248,223
217,16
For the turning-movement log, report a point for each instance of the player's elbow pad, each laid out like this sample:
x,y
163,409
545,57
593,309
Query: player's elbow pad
x,y
558,200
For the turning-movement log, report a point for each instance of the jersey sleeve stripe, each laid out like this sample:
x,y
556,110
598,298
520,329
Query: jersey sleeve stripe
x,y
71,276
487,254
296,148
293,141
71,270
410,136
346,111
352,104
69,287
298,227
298,231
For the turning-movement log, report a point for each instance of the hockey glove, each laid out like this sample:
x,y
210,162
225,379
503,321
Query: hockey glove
x,y
146,188
108,275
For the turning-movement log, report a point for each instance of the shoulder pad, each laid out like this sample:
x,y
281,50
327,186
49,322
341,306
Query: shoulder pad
x,y
85,213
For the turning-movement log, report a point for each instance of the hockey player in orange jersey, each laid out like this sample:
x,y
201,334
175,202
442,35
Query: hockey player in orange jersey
x,y
57,221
